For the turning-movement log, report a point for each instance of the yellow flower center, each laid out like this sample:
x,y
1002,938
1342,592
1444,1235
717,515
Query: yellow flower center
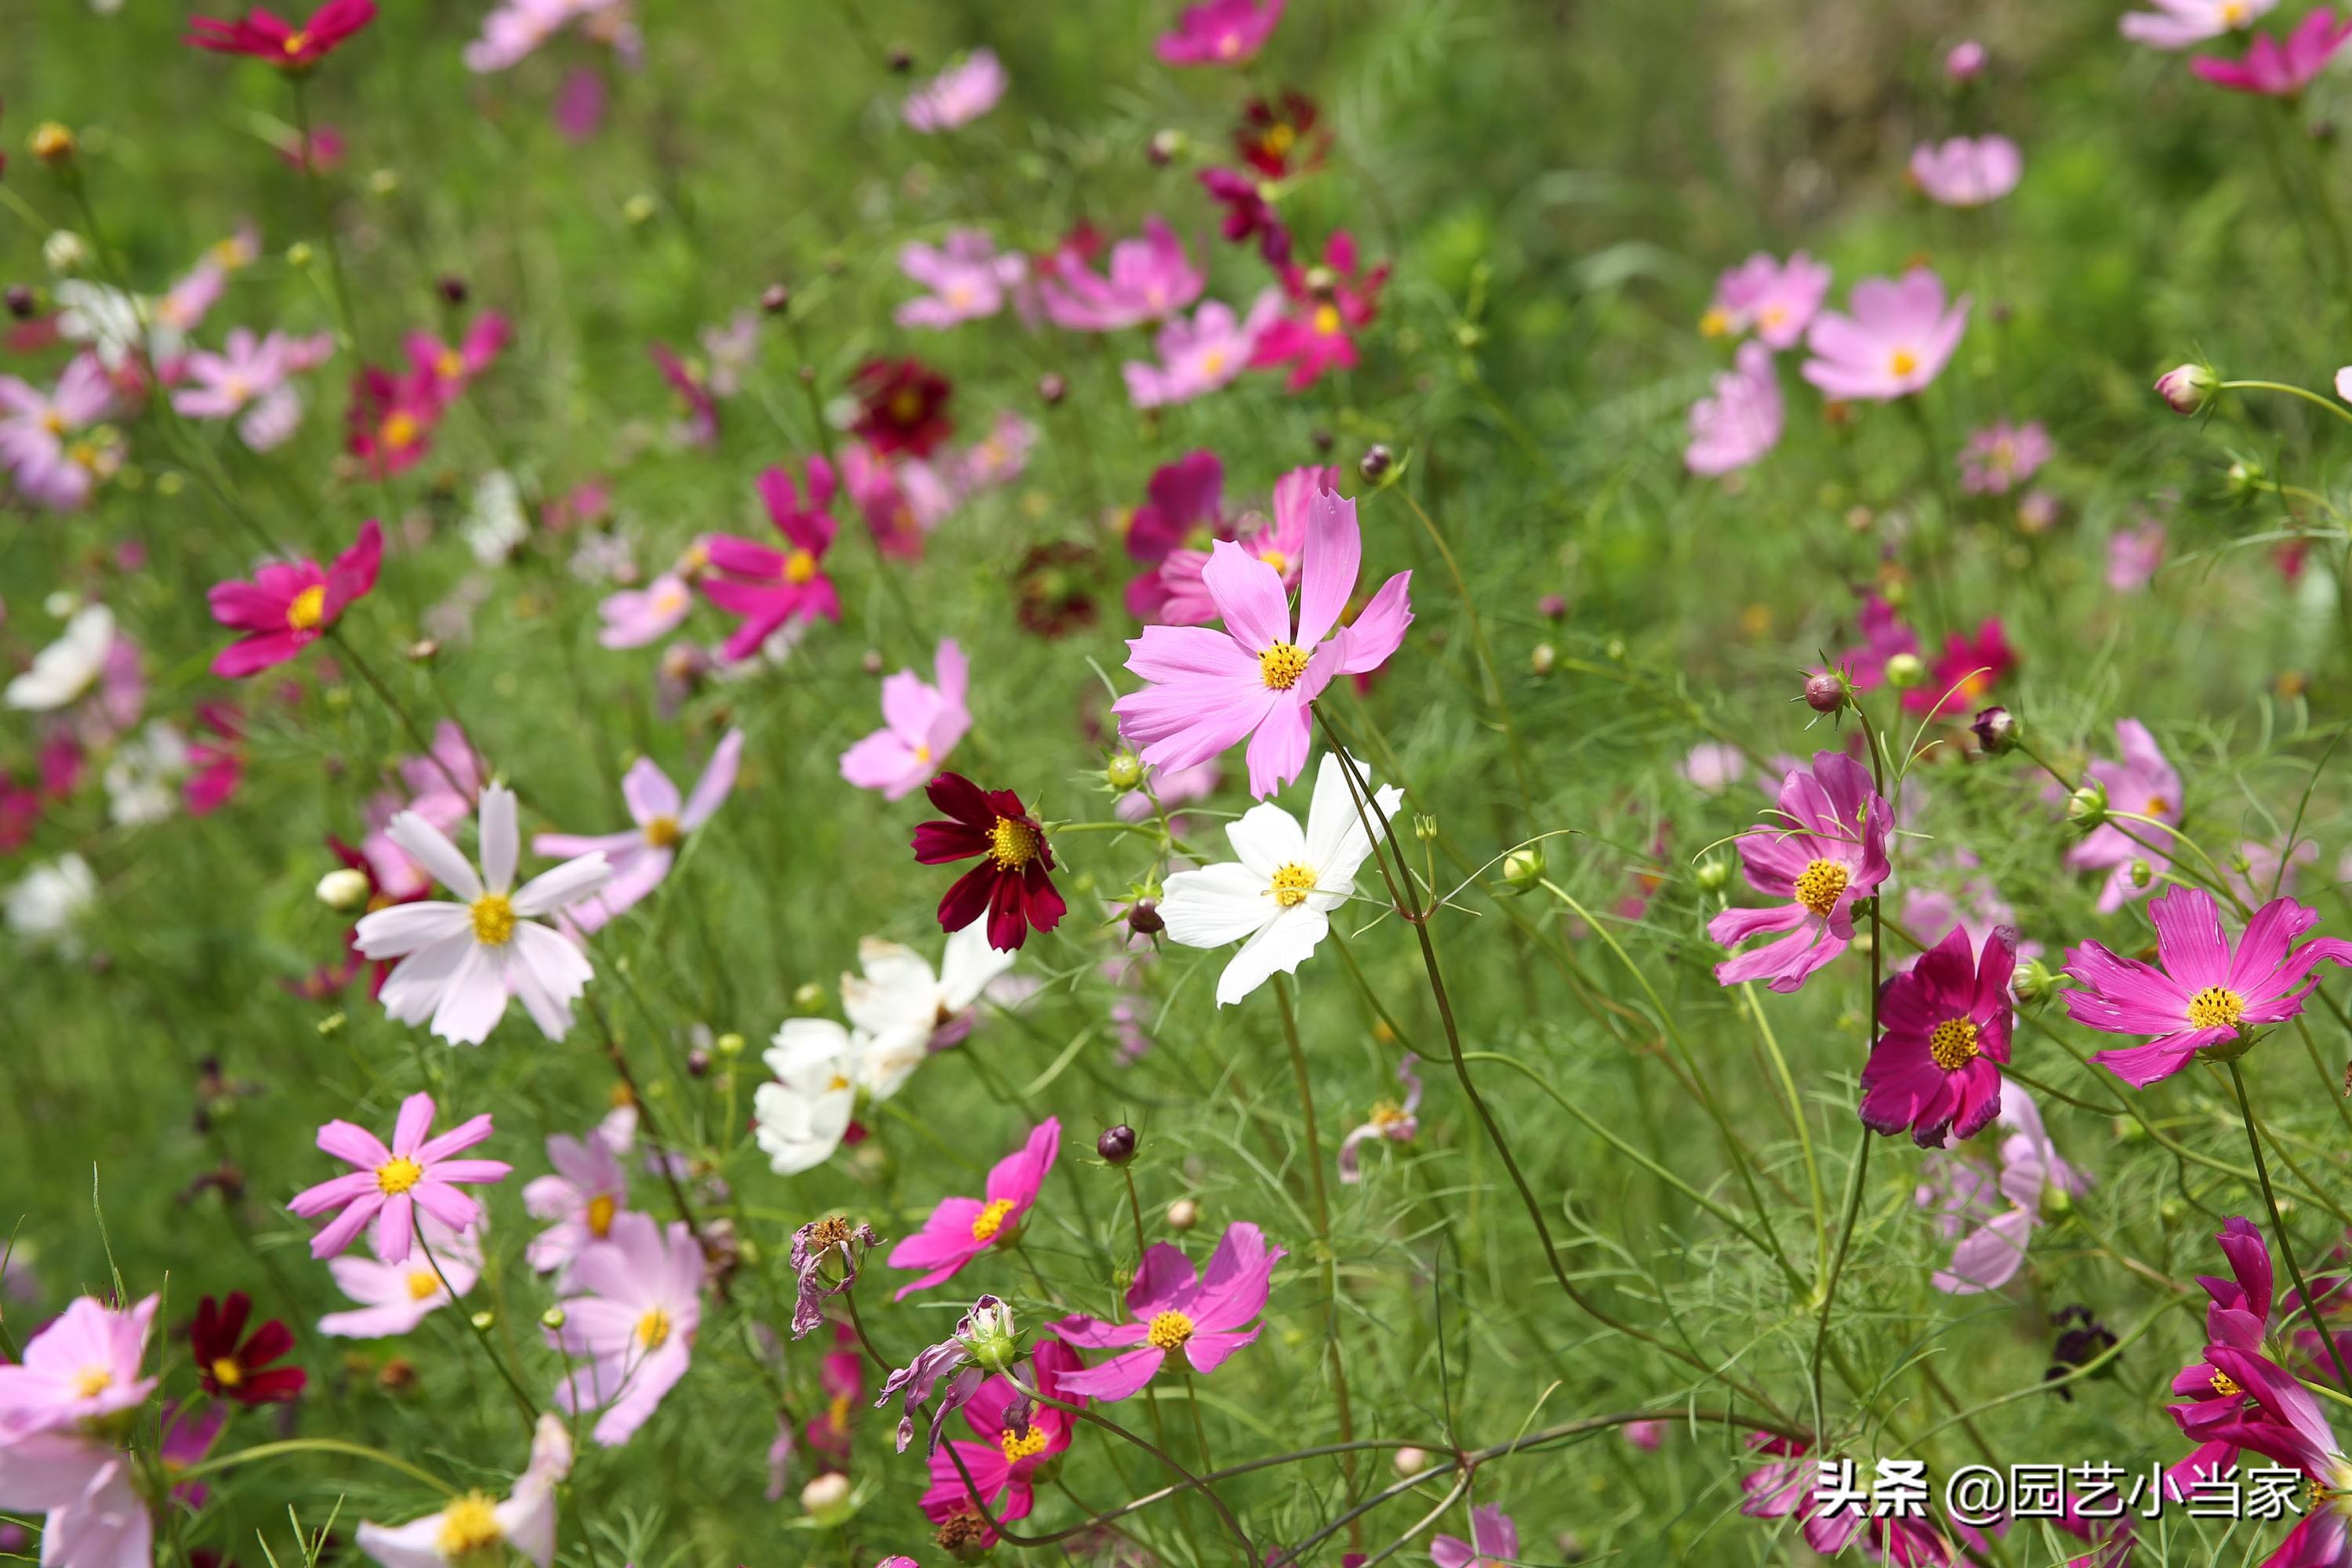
x,y
601,1209
400,430
1278,560
990,1220
2225,1385
800,567
1012,843
296,43
1280,666
309,608
1902,361
227,1373
653,1329
1327,320
906,405
1021,1445
2234,13
1280,138
422,1283
1820,883
1167,1332
494,920
469,1527
1953,1044
1772,315
2156,807
2215,1008
1716,323
1291,884
53,422
923,752
449,367
836,1412
1214,363
661,832
397,1174
91,1382
1386,1113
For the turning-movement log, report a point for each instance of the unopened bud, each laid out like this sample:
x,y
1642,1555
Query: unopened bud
x,y
1117,1145
902,59
1714,873
1052,389
825,1496
1542,659
1183,1215
808,997
1412,1461
1904,671
1523,869
638,210
728,1044
343,888
1164,147
2242,477
872,662
1824,692
1123,772
1995,729
2088,806
52,144
1144,919
1377,461
453,288
2035,982
2142,873
1551,606
383,183
775,298
484,1319
21,303
1424,827
422,650
2188,387
299,254
552,1318
698,1062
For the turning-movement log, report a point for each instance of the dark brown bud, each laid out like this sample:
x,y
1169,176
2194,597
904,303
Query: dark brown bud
x,y
453,288
1377,461
1143,917
902,59
775,298
1824,692
20,302
1117,1145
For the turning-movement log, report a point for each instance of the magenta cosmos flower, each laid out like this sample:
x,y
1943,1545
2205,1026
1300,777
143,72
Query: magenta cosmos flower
x,y
921,723
1146,278
2280,71
634,1320
587,1191
957,95
2140,781
1824,847
1183,510
1329,306
1944,1033
2286,1424
1894,341
769,587
1198,357
1494,1539
2203,993
289,605
1281,543
967,277
1739,422
960,1229
264,35
391,1184
1005,1463
1170,1308
1776,299
2176,24
1967,171
1013,886
1207,690
1219,33
641,857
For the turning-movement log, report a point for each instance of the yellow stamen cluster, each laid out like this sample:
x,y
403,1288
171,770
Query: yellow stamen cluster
x,y
653,1329
400,430
469,1527
1292,883
1902,361
800,567
397,1174
1820,884
990,1220
91,1382
1020,1445
2215,1008
226,1372
421,1284
1167,1331
308,609
601,1209
1327,320
1281,665
2225,1385
494,920
661,832
1953,1044
1012,843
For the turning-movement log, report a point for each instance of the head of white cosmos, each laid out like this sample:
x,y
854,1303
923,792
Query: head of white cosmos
x,y
1277,899
67,667
800,1117
898,1006
476,1530
460,961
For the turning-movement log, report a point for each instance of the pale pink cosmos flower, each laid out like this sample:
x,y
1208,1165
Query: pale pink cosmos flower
x,y
83,1367
960,1229
1895,343
1392,1121
588,1191
1740,421
1967,171
182,308
1206,690
33,426
640,857
921,722
2002,456
395,1297
1171,1308
2176,24
636,617
2134,555
472,1529
1199,357
1714,766
2258,873
1219,33
2144,783
1148,278
1965,61
515,29
634,1320
957,95
391,1184
996,458
250,381
968,277
1777,299
902,499
1493,1541
1989,1219
2280,71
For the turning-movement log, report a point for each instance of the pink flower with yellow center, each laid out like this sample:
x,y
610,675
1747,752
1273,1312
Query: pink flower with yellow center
x,y
960,1229
289,605
1171,1309
769,587
391,1182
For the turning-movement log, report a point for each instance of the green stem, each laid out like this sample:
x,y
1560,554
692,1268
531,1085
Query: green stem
x,y
2278,1231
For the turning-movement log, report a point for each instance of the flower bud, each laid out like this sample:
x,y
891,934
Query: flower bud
x,y
453,288
826,1497
2142,873
1183,1215
52,144
1824,692
21,303
1144,919
1714,873
65,251
1377,461
343,888
1523,869
1117,1145
2242,477
698,1062
902,59
808,997
2088,806
1424,827
1542,659
987,1332
1551,606
775,298
1123,772
299,254
1163,148
728,1044
1052,389
1995,729
1904,671
484,1319
638,210
423,650
384,182
1966,62
2035,983
552,1318
2188,387
1410,1461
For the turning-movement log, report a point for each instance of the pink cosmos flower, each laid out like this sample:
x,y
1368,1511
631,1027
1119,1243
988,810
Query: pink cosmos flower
x,y
967,277
1004,1462
636,617
1146,278
250,381
1967,171
395,1297
391,1184
1183,511
960,1229
392,419
1329,306
2134,555
1777,299
921,723
2001,456
588,1191
2257,871
2143,782
2288,1426
1895,343
769,587
1965,61
83,1367
641,857
1170,1308
1494,1541
902,499
1884,635
2280,71
1647,1435
996,458
634,1320
957,95
215,759
1205,691
1199,357
1964,674
2176,24
700,426
2204,994
289,605
1281,543
449,368
1219,33
514,30
1990,1220
88,1489
1944,1035
1825,848
1396,1124
1740,421
1714,766
1973,905
33,426
840,1375
184,1441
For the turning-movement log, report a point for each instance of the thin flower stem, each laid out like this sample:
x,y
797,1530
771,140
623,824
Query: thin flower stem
x,y
865,1341
416,736
2304,392
2278,1230
1797,1118
320,219
310,1446
620,1061
1346,1420
514,1386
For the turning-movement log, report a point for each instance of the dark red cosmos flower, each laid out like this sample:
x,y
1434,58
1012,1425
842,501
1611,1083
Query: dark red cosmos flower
x,y
266,35
235,1370
1012,884
1248,215
1276,139
903,407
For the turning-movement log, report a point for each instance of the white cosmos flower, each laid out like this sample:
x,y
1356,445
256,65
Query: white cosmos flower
x,y
114,323
46,906
901,1012
1280,894
64,670
800,1117
473,1529
460,961
142,781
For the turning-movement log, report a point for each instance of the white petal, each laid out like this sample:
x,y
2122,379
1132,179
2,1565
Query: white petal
x,y
416,987
1267,839
500,840
1283,945
549,973
402,929
562,886
430,848
888,1062
411,1545
1336,841
474,998
969,964
1222,903
808,1054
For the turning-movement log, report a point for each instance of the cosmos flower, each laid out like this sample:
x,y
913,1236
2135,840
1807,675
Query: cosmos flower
x,y
1774,298
1329,306
472,1529
1248,215
984,1340
250,381
450,369
1012,885
2281,70
461,962
800,1118
68,667
289,605
921,722
902,499
1391,1121
2001,457
1967,171
390,421
1018,1438
1935,1070
1146,278
229,1369
967,276
959,1229
957,95
82,1367
825,1257
1199,357
1824,847
1494,1540
2134,556
585,1192
395,1297
636,617
1895,341
1183,597
1206,690
639,857
2141,781
262,35
1277,138
1219,33
2288,1426
841,1376
1182,512
900,1011
391,1184
1276,897
87,1488
1965,673
47,469
1739,422
2176,24
515,30
1990,1220
2202,993
638,1306
902,407
700,426
1170,1308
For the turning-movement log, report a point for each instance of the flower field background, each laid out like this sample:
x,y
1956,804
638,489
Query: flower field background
x,y
1265,784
